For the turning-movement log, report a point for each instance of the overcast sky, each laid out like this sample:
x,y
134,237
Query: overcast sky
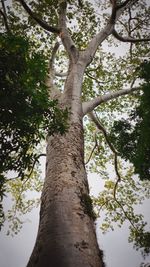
x,y
15,252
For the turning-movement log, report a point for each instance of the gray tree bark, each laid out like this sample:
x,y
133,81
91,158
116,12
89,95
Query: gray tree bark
x,y
66,235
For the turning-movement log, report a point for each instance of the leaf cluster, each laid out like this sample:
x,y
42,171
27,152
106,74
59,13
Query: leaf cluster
x,y
132,136
140,241
118,209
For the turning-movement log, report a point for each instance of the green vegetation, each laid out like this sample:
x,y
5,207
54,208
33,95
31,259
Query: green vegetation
x,y
88,206
131,136
27,114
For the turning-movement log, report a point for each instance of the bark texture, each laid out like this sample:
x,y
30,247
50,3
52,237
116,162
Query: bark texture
x,y
66,236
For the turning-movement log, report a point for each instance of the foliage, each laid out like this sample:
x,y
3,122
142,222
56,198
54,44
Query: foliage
x,y
118,208
22,192
26,112
131,136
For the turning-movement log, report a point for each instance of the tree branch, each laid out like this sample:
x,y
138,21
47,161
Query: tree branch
x,y
103,130
42,23
65,35
92,47
51,62
92,151
28,175
114,10
93,78
60,74
126,4
117,11
4,14
128,38
90,105
54,93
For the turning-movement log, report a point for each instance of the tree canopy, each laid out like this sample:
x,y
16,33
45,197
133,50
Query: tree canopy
x,y
31,39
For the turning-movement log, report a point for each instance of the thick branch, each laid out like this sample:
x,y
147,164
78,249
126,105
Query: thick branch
x,y
90,105
51,62
117,11
92,47
65,35
114,10
54,93
128,38
42,23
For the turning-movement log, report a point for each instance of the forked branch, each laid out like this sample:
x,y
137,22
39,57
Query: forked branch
x,y
117,11
64,33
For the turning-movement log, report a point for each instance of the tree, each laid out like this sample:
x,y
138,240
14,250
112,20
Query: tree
x,y
66,235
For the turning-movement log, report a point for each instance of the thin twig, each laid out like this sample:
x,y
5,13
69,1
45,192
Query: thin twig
x,y
92,151
28,176
93,78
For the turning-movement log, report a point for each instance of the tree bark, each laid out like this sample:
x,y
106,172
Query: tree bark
x,y
66,235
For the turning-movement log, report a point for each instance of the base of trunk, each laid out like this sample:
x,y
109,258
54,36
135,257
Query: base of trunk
x,y
66,236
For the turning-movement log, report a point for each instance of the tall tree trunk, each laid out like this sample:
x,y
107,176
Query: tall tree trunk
x,y
66,236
